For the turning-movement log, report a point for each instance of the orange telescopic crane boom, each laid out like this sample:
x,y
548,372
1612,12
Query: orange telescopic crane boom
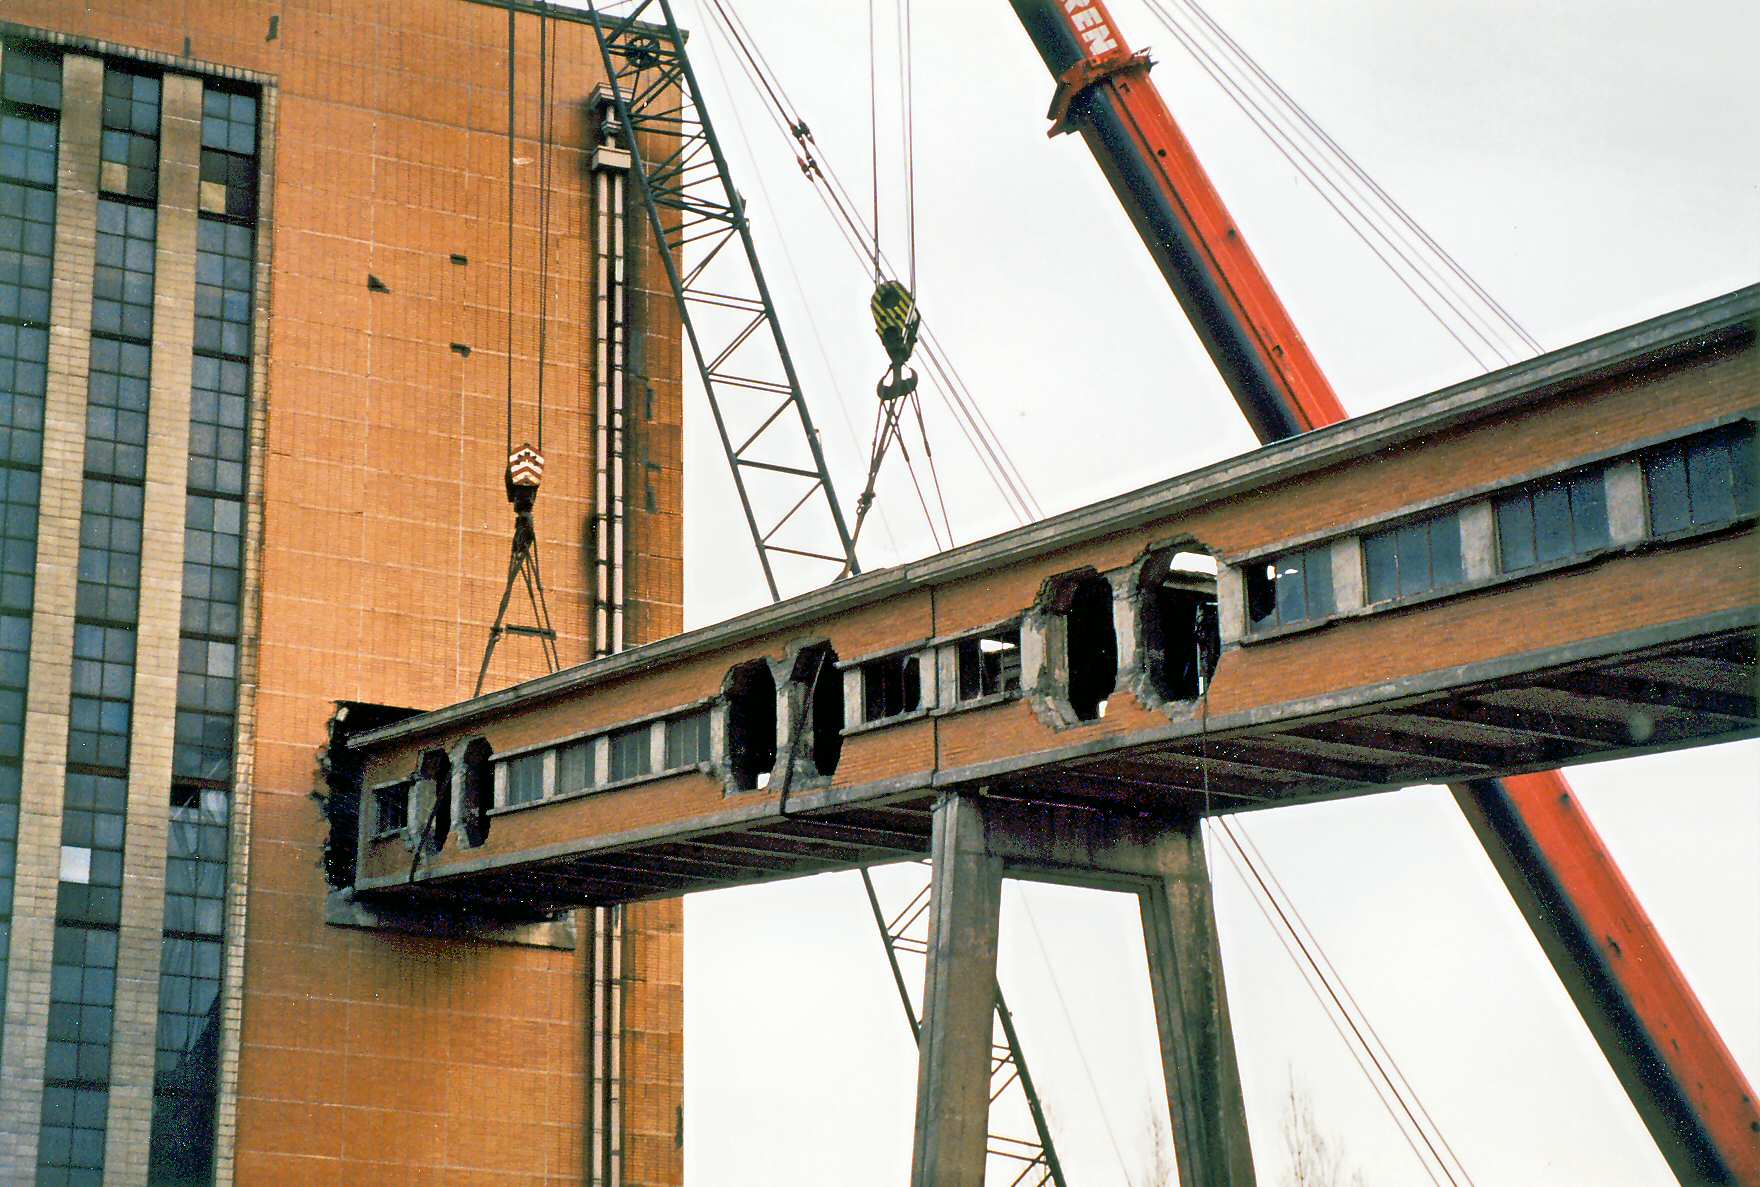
x,y
1668,1056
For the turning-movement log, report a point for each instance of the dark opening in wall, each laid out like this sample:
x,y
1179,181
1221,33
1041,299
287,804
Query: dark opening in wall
x,y
990,664
478,788
751,725
1093,647
891,686
391,810
1180,636
435,766
815,668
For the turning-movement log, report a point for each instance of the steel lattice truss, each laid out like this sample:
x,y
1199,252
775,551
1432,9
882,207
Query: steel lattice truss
x,y
1015,1161
728,318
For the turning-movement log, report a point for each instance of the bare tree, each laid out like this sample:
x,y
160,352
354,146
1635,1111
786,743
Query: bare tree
x,y
1313,1160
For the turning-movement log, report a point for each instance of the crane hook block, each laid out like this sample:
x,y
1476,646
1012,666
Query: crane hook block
x,y
525,471
896,320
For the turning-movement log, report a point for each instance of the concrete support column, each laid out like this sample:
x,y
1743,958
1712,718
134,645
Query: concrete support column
x,y
1162,862
156,634
959,995
1191,1016
51,664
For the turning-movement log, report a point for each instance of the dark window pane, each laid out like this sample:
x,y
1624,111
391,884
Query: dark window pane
x,y
1317,562
1445,551
1665,473
1414,558
1515,533
1589,511
1710,482
1742,473
1292,599
1381,566
1552,522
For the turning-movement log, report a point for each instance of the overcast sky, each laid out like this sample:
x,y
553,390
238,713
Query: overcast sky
x,y
1592,164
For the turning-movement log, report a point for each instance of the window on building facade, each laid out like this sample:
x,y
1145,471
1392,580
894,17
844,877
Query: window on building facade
x,y
687,740
990,664
32,77
1294,587
1702,481
1551,520
391,810
129,147
27,149
891,686
1413,557
574,766
632,752
525,778
122,284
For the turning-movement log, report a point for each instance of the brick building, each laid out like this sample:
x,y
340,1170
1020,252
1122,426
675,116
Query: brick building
x,y
258,361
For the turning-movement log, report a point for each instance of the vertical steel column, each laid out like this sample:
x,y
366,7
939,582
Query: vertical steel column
x,y
610,163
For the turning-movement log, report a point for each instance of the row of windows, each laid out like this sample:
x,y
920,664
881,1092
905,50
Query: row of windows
x,y
629,754
986,665
186,1079
28,152
1702,481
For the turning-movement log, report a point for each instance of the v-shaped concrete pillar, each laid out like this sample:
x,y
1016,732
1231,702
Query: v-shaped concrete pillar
x,y
977,840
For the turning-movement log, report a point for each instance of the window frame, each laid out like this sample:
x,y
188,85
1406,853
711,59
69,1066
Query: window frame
x,y
909,670
382,794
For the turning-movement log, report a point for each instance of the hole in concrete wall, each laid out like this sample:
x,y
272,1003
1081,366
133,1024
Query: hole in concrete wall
x,y
1093,647
816,669
478,790
751,725
437,767
1176,606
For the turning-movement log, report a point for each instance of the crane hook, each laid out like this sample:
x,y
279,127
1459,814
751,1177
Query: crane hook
x,y
896,321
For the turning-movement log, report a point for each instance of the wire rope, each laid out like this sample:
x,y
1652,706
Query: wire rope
x,y
1363,175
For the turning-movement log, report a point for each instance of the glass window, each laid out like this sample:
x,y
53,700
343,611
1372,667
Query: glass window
x,y
122,283
632,752
1551,520
27,250
27,149
1294,587
891,686
1709,479
1413,558
31,76
687,740
391,809
990,665
574,766
525,778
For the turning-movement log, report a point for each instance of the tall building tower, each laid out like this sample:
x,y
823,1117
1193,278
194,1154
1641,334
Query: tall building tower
x,y
265,337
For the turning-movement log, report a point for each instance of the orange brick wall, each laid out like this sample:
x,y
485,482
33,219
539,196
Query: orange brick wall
x,y
368,1057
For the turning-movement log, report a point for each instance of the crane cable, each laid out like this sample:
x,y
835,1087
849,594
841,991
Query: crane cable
x,y
1396,240
897,321
968,414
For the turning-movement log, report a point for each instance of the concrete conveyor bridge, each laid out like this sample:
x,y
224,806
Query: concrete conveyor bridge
x,y
1491,579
